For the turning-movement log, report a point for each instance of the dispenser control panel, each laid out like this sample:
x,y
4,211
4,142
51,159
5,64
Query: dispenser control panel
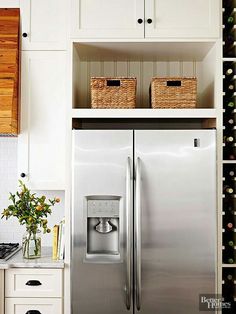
x,y
103,208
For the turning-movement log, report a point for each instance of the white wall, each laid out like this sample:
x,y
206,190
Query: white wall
x,y
10,230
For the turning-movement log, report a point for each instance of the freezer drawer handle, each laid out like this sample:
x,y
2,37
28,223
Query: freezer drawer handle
x,y
33,312
128,232
33,283
138,234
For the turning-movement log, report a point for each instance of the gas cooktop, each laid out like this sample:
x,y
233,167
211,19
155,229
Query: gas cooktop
x,y
7,250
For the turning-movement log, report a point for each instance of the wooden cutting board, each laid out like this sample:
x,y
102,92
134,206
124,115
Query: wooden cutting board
x,y
9,70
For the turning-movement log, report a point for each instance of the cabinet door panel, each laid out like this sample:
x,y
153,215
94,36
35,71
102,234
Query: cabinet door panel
x,y
9,4
41,142
185,19
44,22
107,18
23,305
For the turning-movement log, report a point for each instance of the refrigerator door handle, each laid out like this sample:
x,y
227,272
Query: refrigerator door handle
x,y
138,234
128,232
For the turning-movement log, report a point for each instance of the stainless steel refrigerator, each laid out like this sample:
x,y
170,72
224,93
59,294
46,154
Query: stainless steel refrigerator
x,y
144,221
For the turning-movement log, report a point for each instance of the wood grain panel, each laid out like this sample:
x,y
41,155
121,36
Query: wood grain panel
x,y
9,70
6,126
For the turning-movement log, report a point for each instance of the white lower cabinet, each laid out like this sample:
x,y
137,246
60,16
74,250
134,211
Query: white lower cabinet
x,y
33,291
1,291
33,306
41,142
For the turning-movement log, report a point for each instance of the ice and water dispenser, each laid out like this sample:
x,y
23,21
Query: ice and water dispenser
x,y
103,227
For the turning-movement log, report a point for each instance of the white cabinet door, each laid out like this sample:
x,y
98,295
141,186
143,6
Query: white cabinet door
x,y
9,4
44,24
33,305
1,291
41,142
107,18
182,18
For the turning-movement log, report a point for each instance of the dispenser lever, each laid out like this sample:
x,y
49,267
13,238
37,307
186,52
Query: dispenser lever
x,y
104,225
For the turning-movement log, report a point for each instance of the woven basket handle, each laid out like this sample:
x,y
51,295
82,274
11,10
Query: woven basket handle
x,y
114,83
173,83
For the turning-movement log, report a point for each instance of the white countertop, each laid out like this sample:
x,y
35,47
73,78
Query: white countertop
x,y
45,261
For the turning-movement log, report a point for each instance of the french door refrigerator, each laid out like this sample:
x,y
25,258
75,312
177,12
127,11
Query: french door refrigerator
x,y
144,221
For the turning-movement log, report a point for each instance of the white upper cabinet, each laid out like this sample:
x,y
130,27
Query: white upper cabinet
x,y
107,18
41,142
182,18
43,24
9,4
145,19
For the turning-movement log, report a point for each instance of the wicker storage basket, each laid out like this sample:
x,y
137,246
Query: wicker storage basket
x,y
118,92
174,92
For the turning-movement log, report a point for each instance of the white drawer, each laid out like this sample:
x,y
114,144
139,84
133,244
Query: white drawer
x,y
27,282
37,306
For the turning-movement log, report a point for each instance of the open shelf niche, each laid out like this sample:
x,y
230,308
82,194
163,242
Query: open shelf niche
x,y
145,60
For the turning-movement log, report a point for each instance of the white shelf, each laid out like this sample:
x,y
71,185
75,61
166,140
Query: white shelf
x,y
232,145
232,196
229,265
148,50
234,110
233,128
229,59
234,77
234,94
144,113
229,161
233,11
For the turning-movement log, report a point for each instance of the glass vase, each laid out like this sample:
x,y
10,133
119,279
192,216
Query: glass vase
x,y
31,244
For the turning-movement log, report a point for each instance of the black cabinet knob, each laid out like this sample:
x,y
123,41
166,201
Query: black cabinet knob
x,y
24,35
23,175
149,21
33,312
140,21
33,283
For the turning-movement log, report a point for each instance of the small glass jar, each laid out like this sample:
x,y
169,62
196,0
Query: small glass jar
x,y
31,243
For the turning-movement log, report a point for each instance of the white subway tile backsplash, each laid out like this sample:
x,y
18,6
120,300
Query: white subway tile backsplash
x,y
11,230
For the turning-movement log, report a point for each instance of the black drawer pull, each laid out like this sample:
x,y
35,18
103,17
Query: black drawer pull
x,y
113,82
33,283
33,312
173,83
